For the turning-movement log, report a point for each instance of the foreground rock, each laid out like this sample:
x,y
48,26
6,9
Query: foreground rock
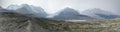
x,y
16,23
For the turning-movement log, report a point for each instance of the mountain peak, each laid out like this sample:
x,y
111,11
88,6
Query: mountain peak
x,y
70,14
25,5
68,8
68,11
13,7
96,9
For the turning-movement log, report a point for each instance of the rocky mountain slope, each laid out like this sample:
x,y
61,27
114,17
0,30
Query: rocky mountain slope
x,y
16,23
28,10
96,13
71,14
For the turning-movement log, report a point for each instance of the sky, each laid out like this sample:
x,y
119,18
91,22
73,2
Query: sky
x,y
52,6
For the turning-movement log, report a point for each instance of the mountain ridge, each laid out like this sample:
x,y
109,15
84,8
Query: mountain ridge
x,y
70,14
93,12
29,10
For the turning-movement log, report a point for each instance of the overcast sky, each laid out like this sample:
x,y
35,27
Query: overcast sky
x,y
51,6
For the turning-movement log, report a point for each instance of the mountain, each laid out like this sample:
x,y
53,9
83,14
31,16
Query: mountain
x,y
70,14
39,11
15,23
108,16
13,7
29,10
93,12
4,10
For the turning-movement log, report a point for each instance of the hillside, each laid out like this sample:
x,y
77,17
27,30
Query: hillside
x,y
15,23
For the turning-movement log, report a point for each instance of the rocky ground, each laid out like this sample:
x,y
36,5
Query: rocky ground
x,y
16,23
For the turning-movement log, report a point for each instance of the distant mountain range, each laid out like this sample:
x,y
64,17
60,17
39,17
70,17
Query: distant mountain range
x,y
64,14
